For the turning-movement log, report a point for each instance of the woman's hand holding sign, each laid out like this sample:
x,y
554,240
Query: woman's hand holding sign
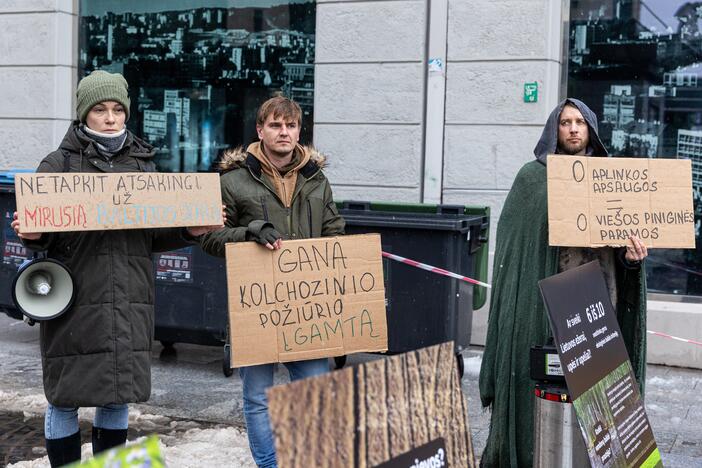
x,y
28,236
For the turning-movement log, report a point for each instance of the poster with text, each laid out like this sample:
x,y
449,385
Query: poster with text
x,y
51,202
595,202
310,299
597,370
174,266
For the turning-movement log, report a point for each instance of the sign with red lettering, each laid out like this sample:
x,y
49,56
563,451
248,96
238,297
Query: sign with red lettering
x,y
311,299
49,202
597,202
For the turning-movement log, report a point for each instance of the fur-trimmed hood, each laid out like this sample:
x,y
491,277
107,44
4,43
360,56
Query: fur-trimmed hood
x,y
235,158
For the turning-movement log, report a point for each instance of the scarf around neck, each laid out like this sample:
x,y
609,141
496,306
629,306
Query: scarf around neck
x,y
107,143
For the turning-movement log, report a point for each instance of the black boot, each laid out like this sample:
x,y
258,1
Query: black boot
x,y
104,439
63,451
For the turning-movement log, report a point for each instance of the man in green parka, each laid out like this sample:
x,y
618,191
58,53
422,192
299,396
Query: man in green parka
x,y
517,319
273,191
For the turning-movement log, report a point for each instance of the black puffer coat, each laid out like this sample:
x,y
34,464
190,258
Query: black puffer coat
x,y
98,352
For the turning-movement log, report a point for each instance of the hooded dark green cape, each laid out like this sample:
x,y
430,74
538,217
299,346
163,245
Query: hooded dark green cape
x,y
518,320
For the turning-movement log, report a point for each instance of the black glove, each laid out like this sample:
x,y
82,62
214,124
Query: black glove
x,y
262,232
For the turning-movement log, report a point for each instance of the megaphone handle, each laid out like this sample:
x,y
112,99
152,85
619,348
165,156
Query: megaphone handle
x,y
39,254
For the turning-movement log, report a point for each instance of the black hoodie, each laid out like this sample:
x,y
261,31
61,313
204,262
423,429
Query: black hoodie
x,y
548,142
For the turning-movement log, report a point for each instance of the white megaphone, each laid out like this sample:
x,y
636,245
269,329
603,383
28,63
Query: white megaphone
x,y
43,289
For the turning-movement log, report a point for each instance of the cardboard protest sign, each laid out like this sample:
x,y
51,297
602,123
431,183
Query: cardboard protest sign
x,y
597,370
310,299
49,202
404,411
594,202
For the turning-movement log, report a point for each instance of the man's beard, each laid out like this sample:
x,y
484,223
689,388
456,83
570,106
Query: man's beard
x,y
571,149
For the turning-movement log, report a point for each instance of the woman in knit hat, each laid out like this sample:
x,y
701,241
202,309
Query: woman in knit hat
x,y
98,353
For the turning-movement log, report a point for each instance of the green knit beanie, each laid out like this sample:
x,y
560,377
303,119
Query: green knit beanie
x,y
98,87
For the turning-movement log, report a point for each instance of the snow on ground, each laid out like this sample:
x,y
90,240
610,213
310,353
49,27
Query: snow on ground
x,y
193,448
471,365
29,404
653,408
184,444
661,382
208,447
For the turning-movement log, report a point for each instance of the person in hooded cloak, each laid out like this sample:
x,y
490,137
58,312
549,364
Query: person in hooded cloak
x,y
517,319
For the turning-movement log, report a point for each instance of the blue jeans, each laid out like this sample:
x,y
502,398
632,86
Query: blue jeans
x,y
256,380
63,422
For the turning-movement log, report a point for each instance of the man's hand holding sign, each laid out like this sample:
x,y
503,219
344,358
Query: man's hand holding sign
x,y
636,251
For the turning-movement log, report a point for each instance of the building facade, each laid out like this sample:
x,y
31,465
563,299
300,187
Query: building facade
x,y
432,101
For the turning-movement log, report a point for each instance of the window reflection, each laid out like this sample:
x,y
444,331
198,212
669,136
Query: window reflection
x,y
638,65
198,69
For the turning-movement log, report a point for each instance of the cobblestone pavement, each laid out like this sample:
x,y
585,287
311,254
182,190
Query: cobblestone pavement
x,y
22,434
20,439
188,386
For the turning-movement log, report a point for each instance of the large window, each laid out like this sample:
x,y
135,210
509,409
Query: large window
x,y
638,65
198,69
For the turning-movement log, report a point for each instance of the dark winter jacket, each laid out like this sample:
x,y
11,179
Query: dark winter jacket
x,y
252,201
98,352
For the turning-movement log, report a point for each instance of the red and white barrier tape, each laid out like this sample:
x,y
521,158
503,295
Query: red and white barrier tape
x,y
676,338
434,269
450,274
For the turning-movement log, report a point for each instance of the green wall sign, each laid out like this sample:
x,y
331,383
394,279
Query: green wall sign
x,y
531,92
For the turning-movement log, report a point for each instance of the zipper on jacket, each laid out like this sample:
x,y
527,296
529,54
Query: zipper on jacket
x,y
297,190
113,300
265,210
270,189
309,216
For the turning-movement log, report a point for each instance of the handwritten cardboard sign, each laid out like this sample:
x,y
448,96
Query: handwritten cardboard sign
x,y
49,202
402,411
594,202
311,299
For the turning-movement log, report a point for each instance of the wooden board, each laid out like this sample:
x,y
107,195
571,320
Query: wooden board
x,y
367,415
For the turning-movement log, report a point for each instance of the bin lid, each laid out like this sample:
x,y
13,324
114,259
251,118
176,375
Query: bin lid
x,y
8,177
429,221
